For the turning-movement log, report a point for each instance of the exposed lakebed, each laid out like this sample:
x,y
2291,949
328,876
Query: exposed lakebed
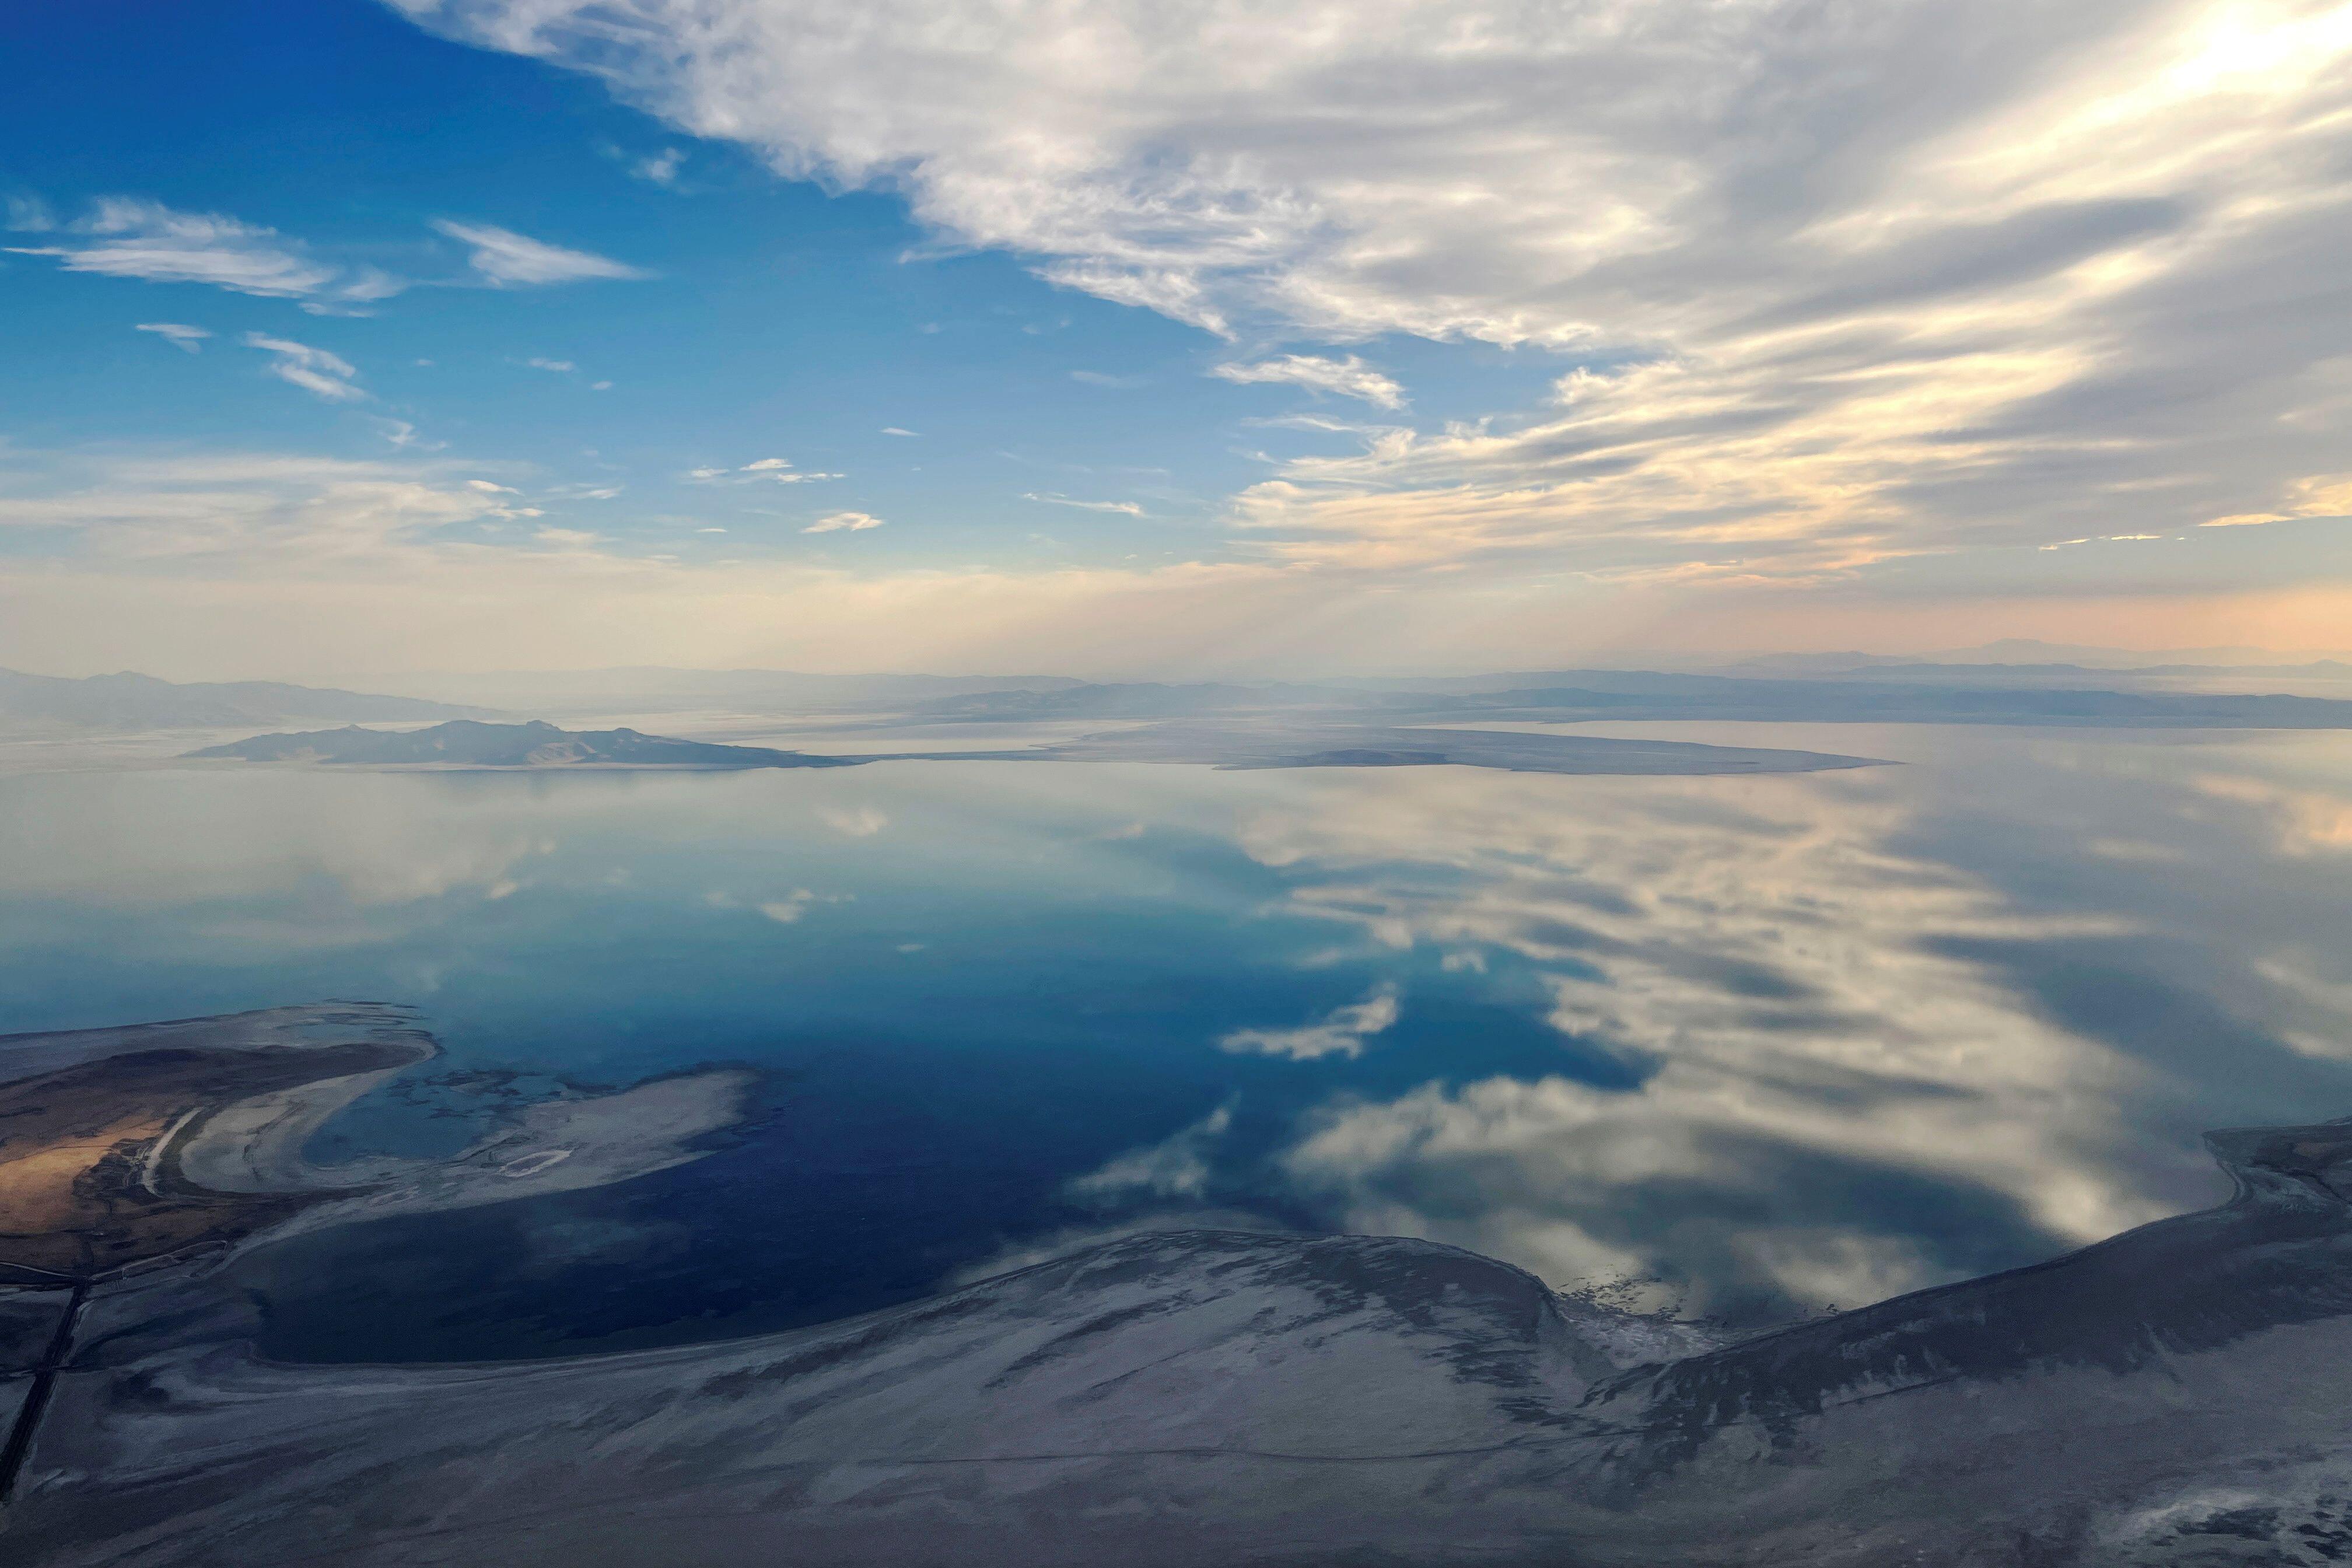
x,y
2171,1395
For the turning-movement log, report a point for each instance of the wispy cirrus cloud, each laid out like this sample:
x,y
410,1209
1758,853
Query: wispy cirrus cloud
x,y
1349,377
508,260
189,339
314,370
659,168
249,513
128,236
1126,508
404,435
843,522
761,470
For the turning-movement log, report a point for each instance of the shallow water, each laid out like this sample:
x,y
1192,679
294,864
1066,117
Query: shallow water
x,y
1764,1044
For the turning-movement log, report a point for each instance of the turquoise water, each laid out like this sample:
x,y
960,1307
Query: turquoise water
x,y
1758,1045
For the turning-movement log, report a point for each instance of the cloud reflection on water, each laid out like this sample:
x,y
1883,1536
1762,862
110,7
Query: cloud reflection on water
x,y
1839,1097
1772,1041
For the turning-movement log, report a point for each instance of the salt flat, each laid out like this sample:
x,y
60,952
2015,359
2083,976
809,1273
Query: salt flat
x,y
2174,1394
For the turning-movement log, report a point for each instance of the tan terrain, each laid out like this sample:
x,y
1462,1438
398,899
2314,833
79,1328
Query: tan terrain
x,y
87,1181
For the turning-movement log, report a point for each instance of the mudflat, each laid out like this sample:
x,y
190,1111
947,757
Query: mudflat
x,y
90,1177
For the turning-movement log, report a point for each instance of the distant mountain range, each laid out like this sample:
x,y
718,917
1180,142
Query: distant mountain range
x,y
654,690
128,702
467,743
1810,688
1152,699
2034,650
1651,694
1839,667
464,744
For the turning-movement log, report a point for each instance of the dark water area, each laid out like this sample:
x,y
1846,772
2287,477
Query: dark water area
x,y
1758,1045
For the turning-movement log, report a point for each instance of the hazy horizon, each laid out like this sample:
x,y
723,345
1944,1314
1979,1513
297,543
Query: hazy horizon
x,y
2007,651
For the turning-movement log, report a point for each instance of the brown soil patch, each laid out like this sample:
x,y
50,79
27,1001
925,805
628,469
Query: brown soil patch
x,y
80,1192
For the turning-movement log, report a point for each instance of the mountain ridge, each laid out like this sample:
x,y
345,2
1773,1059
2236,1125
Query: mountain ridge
x,y
533,744
129,701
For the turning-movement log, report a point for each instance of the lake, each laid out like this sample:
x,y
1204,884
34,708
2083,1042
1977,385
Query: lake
x,y
1750,1047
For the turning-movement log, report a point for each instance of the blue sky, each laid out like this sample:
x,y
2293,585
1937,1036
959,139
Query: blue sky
x,y
778,321
1219,334
776,318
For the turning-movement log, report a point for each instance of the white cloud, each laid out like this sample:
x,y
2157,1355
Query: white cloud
x,y
843,522
504,257
661,168
1342,1032
2315,495
560,366
853,822
243,512
894,430
1318,423
1349,377
128,236
361,287
187,337
1996,275
1128,507
1417,166
315,371
769,470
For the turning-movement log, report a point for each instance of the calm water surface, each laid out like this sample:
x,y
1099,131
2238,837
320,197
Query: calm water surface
x,y
1763,1045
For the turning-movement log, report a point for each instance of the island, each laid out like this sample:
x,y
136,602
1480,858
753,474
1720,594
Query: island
x,y
471,743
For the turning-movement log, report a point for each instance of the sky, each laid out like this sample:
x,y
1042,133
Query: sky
x,y
1194,337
